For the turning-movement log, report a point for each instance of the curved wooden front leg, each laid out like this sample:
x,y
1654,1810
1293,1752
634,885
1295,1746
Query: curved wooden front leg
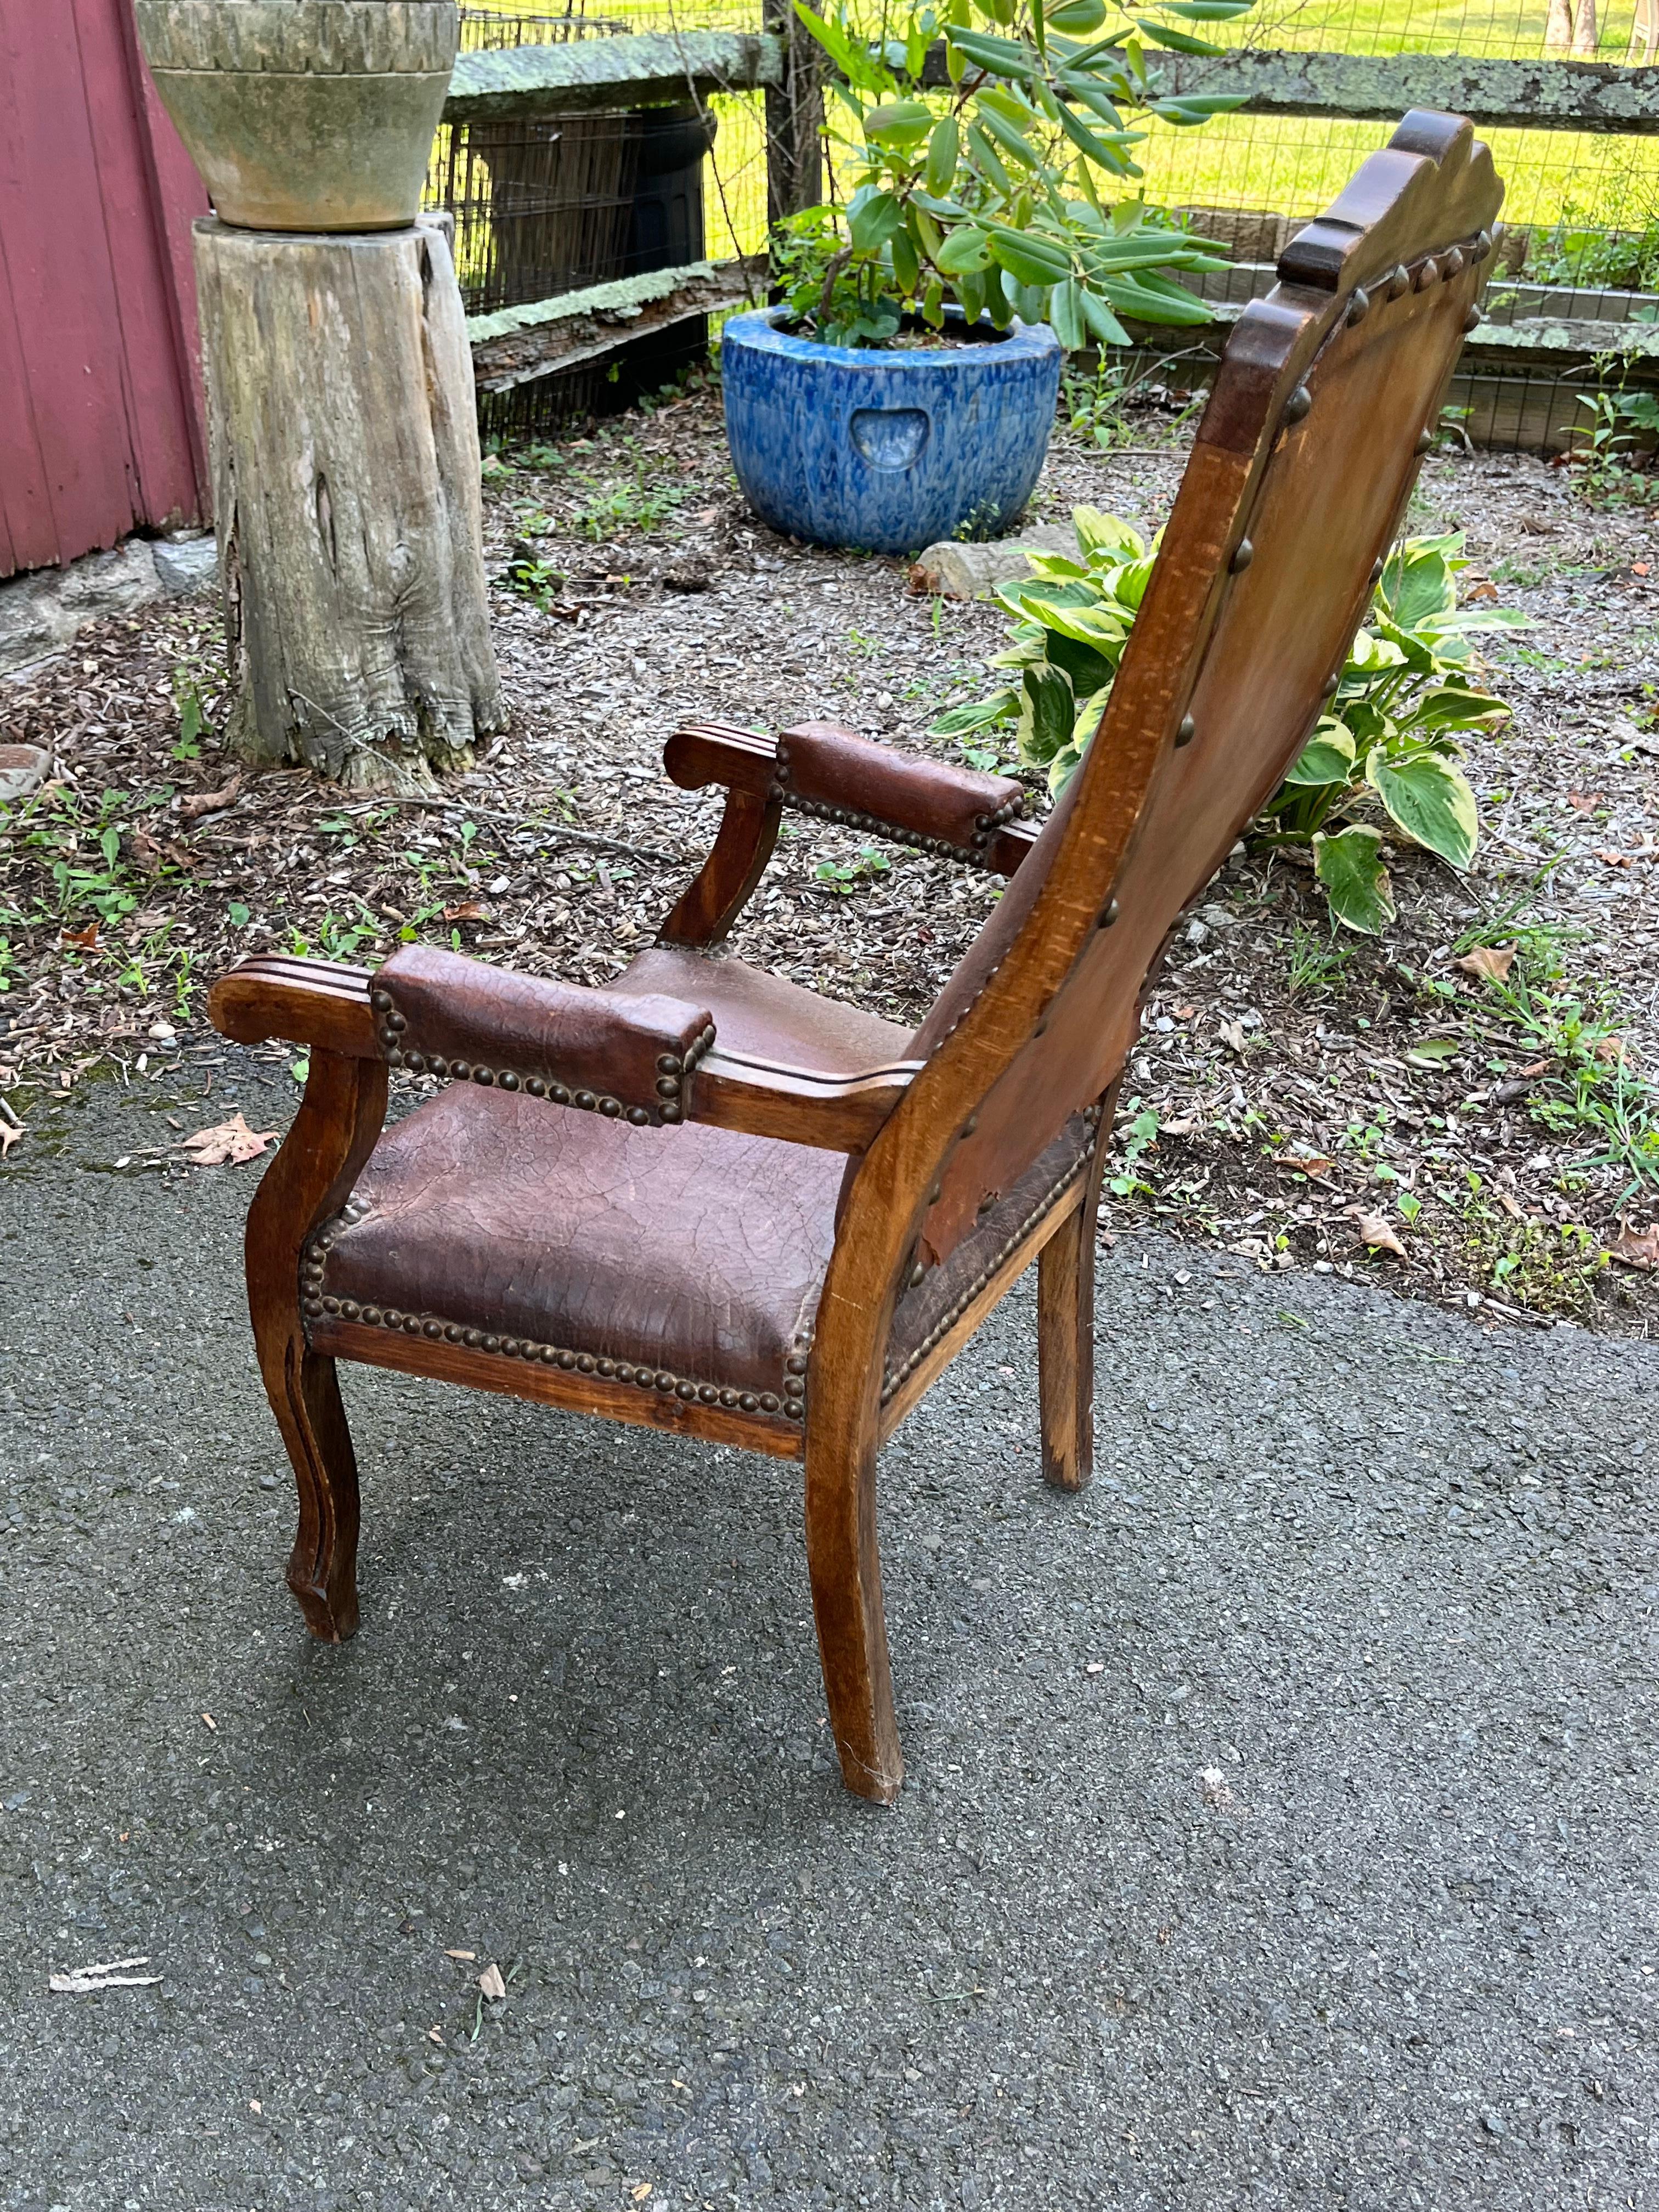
x,y
309,1179
846,1571
736,863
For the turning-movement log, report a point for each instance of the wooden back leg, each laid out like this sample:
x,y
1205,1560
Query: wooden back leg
x,y
1065,1330
310,1178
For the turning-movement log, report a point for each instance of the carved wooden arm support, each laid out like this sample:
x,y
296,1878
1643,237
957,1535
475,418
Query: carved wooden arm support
x,y
818,768
604,1051
323,1004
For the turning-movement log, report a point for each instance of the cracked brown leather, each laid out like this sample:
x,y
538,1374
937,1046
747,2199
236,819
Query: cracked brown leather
x,y
766,1018
690,1250
833,768
694,1250
629,1053
947,1289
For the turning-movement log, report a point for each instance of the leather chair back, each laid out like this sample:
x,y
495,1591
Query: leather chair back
x,y
1308,449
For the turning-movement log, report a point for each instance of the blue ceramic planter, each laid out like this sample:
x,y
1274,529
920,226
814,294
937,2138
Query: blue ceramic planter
x,y
886,452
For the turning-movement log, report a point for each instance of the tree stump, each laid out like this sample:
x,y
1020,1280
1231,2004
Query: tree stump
x,y
345,448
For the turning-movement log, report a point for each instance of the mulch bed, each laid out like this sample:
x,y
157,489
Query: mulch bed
x,y
1293,1091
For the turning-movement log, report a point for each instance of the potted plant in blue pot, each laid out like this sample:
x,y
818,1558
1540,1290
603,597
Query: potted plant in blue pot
x,y
903,389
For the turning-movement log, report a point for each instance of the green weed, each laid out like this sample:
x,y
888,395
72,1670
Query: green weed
x,y
1318,961
1140,1132
1545,1268
843,876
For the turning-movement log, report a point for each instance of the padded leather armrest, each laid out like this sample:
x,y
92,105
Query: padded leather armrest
x,y
827,770
607,1051
831,771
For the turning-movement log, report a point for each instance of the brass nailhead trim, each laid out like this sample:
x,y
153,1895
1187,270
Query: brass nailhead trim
x,y
1243,554
1301,400
985,825
670,1086
1188,731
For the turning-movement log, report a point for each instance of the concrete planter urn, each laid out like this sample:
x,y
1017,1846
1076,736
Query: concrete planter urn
x,y
304,115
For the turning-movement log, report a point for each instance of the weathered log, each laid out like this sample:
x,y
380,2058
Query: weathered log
x,y
345,465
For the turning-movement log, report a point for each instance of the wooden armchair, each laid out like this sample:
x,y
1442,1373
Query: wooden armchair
x,y
706,1200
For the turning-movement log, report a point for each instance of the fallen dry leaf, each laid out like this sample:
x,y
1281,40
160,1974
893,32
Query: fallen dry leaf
x,y
470,910
491,1984
434,2035
643,2192
1612,860
1232,1035
468,1955
1492,962
1373,1230
230,1143
85,1981
85,939
1213,1784
1639,568
1636,1248
1610,1051
1483,590
210,802
1581,802
145,853
1184,1013
8,1137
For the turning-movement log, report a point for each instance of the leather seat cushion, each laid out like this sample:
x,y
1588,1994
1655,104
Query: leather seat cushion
x,y
690,1250
765,1016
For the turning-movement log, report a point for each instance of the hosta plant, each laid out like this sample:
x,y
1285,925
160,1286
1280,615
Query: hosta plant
x,y
1388,741
1009,189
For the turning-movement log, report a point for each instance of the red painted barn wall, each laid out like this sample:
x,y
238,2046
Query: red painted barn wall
x,y
101,423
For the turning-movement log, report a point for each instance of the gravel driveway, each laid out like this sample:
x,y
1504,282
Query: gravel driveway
x,y
1278,1827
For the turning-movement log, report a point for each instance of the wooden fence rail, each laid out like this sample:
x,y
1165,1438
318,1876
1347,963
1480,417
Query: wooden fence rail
x,y
1550,340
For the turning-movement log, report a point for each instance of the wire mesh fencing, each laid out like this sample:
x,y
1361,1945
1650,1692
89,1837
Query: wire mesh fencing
x,y
546,208
1581,207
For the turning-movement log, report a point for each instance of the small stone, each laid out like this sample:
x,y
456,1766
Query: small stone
x,y
960,571
185,566
42,612
691,572
22,769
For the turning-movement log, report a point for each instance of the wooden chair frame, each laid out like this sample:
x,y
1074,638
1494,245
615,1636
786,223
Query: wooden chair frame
x,y
1413,229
